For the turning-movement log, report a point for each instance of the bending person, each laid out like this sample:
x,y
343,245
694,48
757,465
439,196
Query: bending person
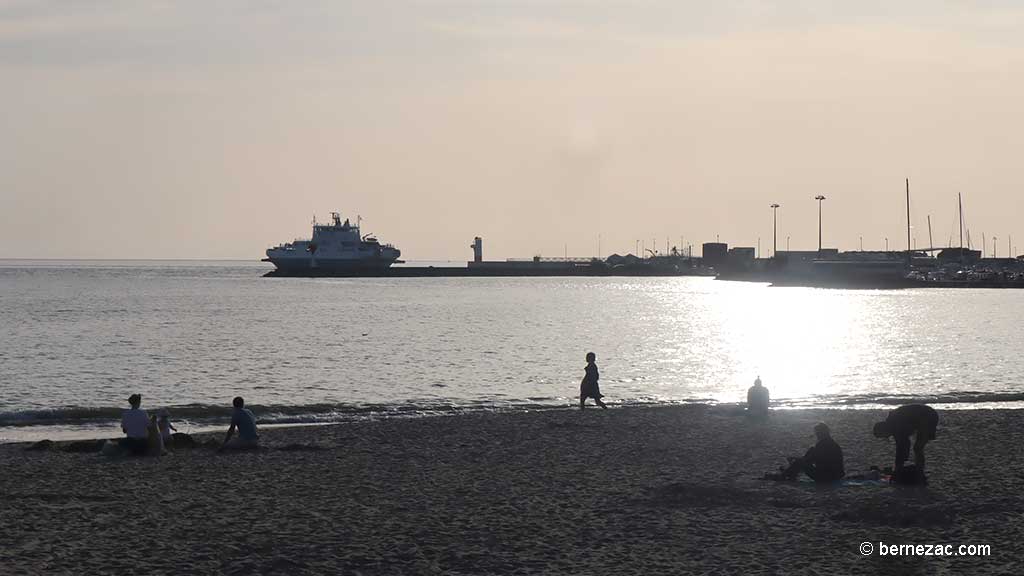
x,y
917,419
242,419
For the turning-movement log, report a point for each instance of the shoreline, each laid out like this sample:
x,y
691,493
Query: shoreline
x,y
635,490
32,431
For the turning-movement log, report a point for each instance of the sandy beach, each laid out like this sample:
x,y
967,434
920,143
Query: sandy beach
x,y
662,490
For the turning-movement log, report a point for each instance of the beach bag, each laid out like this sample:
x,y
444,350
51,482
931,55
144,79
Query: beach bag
x,y
909,476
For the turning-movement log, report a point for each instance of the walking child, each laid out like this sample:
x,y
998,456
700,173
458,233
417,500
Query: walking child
x,y
589,386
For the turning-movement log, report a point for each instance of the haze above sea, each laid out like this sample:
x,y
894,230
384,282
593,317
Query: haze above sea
x,y
80,336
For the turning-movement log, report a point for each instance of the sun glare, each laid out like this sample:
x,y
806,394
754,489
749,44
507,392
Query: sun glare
x,y
798,340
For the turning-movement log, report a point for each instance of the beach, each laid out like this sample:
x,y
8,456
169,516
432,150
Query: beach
x,y
639,490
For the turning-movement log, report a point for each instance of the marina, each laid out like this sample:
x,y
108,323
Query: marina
x,y
338,250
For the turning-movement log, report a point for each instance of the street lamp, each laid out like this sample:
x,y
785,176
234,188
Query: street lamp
x,y
775,214
819,198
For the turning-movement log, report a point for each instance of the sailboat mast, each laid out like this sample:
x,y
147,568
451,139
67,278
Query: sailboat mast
x,y
930,243
960,203
909,253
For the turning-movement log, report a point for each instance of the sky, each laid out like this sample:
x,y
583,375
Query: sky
x,y
195,129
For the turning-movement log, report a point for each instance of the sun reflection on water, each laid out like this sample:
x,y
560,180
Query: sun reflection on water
x,y
801,341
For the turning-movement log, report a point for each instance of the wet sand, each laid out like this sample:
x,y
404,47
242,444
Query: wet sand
x,y
666,490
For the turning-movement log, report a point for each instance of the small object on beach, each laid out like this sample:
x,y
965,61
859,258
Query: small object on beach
x,y
85,446
183,440
40,446
111,449
909,475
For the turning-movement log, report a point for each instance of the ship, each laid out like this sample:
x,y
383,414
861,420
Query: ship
x,y
336,249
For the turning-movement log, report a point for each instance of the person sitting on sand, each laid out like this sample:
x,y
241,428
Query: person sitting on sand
x,y
757,399
917,419
242,419
165,428
589,386
823,462
135,425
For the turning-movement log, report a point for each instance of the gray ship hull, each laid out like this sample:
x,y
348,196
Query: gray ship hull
x,y
327,267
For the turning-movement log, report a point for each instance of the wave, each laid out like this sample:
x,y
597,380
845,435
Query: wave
x,y
331,413
266,413
852,400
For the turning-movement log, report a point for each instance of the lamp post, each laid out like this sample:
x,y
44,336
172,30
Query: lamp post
x,y
775,219
819,198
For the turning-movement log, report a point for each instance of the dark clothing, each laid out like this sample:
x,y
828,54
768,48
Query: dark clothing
x,y
134,446
823,462
589,386
916,419
757,400
911,419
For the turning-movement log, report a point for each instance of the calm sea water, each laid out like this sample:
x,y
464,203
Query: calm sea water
x,y
79,337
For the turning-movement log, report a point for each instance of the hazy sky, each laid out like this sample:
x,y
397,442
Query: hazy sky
x,y
151,129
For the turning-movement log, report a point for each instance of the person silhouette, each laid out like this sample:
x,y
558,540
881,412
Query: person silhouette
x,y
243,419
757,399
589,387
917,419
135,425
822,462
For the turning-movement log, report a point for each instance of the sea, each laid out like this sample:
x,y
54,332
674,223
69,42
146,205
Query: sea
x,y
78,337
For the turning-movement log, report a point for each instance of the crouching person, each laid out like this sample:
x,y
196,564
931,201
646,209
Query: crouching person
x,y
242,419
